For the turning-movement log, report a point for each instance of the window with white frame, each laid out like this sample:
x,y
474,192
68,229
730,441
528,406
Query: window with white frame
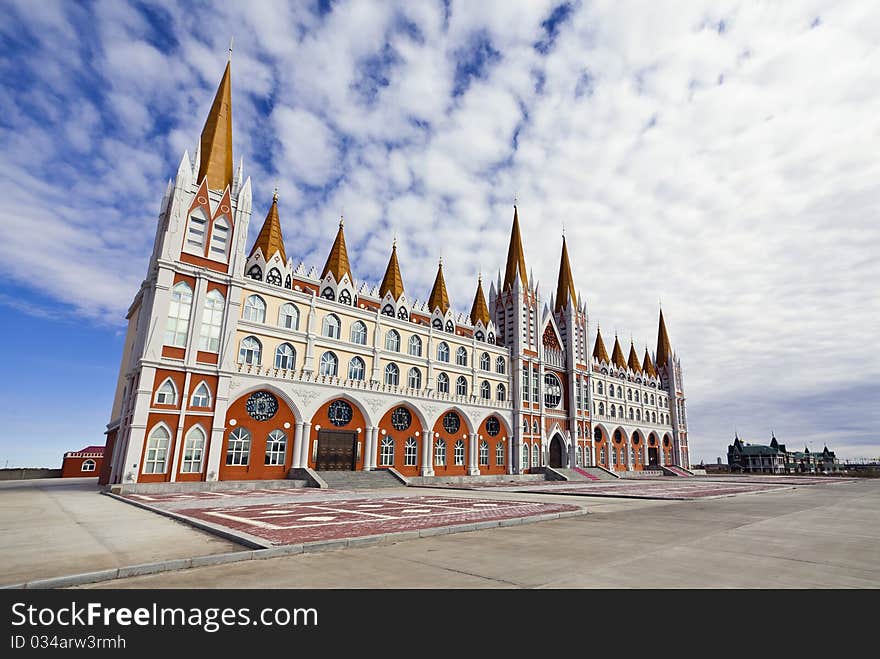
x,y
499,454
356,369
485,390
288,316
193,451
329,364
285,356
536,429
485,362
255,309
345,297
443,352
410,452
201,396
443,383
392,375
600,388
414,379
212,320
358,333
632,455
249,352
238,448
392,341
386,452
461,386
276,448
415,346
484,453
525,426
525,456
219,239
273,277
167,393
500,365
179,308
458,452
461,356
536,455
440,453
156,457
525,383
195,235
88,465
330,326
501,393
602,456
535,385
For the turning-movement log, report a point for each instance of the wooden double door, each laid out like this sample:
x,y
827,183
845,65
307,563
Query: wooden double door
x,y
337,450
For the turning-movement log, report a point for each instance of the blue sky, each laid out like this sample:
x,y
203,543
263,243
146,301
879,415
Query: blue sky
x,y
720,156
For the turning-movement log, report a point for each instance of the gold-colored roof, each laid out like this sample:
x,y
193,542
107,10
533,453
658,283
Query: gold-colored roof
x,y
216,142
648,365
565,287
515,256
337,261
633,361
392,282
439,296
479,309
270,239
663,347
599,351
617,355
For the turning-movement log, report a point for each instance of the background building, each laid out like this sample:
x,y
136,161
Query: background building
x,y
774,458
83,463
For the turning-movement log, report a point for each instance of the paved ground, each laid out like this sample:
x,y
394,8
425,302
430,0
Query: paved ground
x,y
59,526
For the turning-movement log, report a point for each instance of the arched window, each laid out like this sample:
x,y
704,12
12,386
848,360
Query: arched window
x,y
602,456
386,452
501,393
238,448
410,452
392,375
255,309
525,427
484,453
330,327
613,457
440,453
414,379
193,451
600,387
201,396
485,362
638,415
288,316
345,297
610,391
167,393
613,411
536,455
220,239
500,365
402,314
329,364
536,429
619,392
392,341
287,282
629,394
388,310
195,235
479,336
415,346
461,386
285,356
653,417
485,390
458,452
652,399
632,455
156,456
254,272
631,414
525,456
249,352
276,448
443,352
636,394
491,338
356,369
450,327
358,333
499,454
443,383
620,411
437,324
87,465
178,315
602,409
212,320
328,294
461,356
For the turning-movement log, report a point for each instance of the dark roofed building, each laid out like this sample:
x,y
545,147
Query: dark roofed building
x,y
775,459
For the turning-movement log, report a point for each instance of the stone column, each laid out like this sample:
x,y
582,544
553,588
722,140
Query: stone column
x,y
427,452
373,435
296,461
306,441
473,442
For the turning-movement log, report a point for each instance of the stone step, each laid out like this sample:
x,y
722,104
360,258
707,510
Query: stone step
x,y
359,480
601,474
579,474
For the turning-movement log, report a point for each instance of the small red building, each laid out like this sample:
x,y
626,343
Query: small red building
x,y
83,463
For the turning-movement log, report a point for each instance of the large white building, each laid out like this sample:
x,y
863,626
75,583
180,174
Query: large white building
x,y
242,363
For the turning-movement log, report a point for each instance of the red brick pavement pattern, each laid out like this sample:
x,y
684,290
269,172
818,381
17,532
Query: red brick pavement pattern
x,y
175,497
292,522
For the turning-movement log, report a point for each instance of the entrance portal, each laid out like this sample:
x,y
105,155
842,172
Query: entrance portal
x,y
556,452
652,455
336,450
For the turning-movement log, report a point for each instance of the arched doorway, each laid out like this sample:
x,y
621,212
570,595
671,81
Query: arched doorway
x,y
653,451
556,451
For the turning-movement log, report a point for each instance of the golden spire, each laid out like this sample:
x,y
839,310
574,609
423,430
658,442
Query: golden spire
x,y
439,297
216,142
599,351
565,287
479,309
515,256
648,365
337,261
270,239
664,350
392,282
617,354
633,360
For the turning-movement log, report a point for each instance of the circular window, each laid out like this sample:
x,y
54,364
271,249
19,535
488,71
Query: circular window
x,y
492,426
617,437
401,418
635,439
651,441
451,423
261,405
552,391
339,413
666,441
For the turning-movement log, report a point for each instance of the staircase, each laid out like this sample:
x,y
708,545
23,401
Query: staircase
x,y
675,470
359,480
576,474
599,473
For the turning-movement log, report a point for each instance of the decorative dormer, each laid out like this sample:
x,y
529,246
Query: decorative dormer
x,y
617,355
337,282
392,300
268,261
438,304
484,328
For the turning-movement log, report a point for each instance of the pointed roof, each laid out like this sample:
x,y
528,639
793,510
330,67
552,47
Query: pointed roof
x,y
599,351
479,309
337,261
270,239
565,287
633,361
617,354
439,297
215,160
648,365
664,350
515,256
392,282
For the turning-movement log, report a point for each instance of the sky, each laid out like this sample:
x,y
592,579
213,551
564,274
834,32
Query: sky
x,y
720,157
